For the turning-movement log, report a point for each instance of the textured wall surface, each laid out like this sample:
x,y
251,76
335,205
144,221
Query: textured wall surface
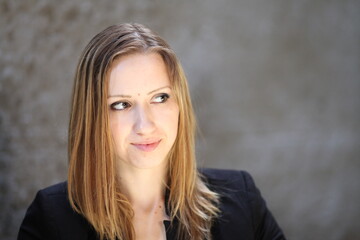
x,y
275,85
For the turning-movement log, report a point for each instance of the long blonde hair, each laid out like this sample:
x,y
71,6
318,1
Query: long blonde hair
x,y
92,183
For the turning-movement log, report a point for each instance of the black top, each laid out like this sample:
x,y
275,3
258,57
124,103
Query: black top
x,y
244,215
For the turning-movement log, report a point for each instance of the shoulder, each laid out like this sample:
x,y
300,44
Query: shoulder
x,y
236,189
55,190
50,216
223,174
53,201
243,211
53,194
222,179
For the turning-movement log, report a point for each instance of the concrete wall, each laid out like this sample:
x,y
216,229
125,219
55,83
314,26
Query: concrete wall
x,y
275,85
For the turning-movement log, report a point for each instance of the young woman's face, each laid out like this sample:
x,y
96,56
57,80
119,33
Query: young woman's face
x,y
143,111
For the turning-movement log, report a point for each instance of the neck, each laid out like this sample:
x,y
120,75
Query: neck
x,y
145,188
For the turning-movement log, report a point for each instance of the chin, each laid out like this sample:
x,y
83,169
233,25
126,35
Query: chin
x,y
147,163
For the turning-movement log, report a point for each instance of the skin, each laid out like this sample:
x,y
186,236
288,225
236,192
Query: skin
x,y
143,115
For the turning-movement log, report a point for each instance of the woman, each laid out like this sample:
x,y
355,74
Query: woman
x,y
132,169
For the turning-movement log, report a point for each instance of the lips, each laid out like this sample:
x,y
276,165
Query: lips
x,y
147,146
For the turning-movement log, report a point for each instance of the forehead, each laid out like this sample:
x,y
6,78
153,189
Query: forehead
x,y
137,73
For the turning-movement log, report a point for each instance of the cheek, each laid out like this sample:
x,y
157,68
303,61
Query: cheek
x,y
175,123
170,120
118,128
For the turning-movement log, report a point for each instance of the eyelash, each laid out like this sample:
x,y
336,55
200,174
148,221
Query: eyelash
x,y
164,97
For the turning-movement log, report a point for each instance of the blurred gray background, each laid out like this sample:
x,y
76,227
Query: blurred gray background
x,y
275,85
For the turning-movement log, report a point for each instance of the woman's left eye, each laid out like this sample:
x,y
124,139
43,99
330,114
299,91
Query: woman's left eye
x,y
161,98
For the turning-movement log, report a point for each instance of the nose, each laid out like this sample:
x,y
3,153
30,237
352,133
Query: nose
x,y
144,123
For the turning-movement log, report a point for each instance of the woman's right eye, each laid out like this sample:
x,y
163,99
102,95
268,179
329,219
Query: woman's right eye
x,y
119,105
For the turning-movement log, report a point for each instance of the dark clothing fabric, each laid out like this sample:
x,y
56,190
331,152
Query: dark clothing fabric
x,y
244,215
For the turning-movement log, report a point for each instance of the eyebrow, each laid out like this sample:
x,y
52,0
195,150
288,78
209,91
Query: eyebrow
x,y
158,89
120,95
129,96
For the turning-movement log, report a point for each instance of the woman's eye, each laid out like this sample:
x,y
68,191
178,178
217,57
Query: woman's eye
x,y
161,98
119,105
